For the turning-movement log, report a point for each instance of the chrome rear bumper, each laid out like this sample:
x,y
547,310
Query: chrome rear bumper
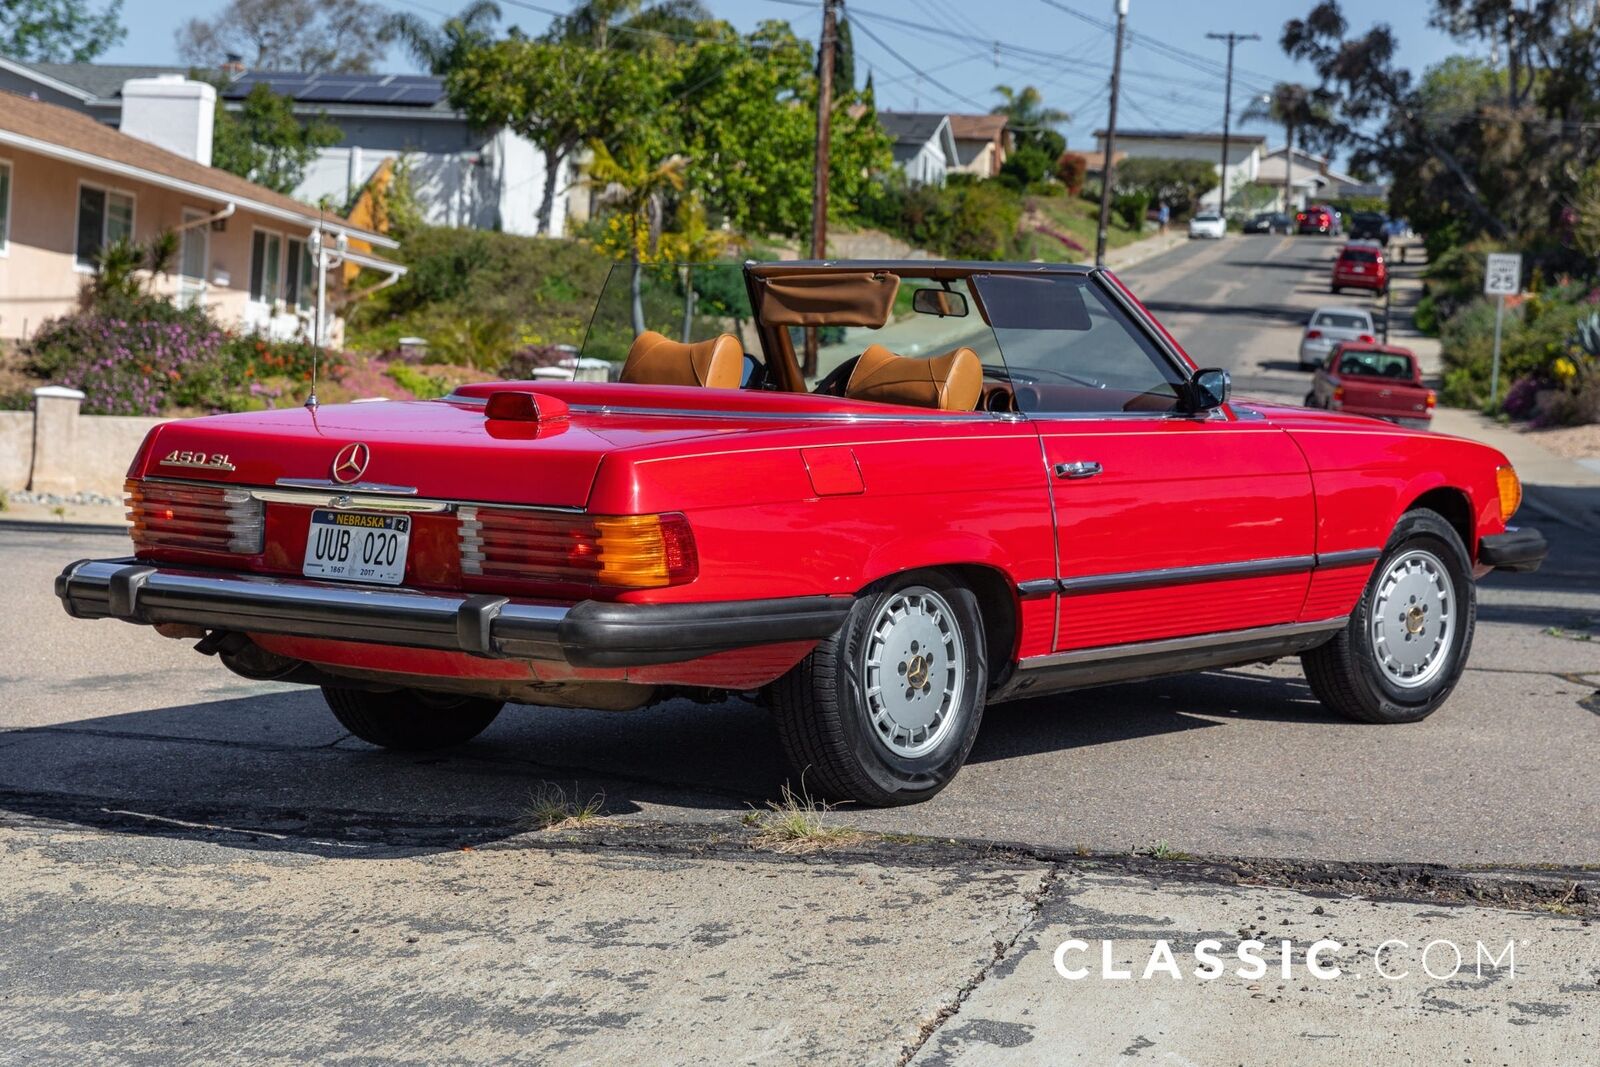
x,y
587,634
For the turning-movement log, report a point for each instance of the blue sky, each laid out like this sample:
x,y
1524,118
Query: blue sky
x,y
964,49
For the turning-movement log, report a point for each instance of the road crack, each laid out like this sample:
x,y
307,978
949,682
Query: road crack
x,y
1036,900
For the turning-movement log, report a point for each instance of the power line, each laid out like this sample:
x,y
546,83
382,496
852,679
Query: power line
x,y
881,43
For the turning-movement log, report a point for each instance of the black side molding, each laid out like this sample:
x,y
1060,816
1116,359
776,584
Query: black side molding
x,y
1518,549
599,634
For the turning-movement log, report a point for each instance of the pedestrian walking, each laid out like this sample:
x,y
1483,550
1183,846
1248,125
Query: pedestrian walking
x,y
1163,215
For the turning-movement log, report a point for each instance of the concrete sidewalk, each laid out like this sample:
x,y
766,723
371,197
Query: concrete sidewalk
x,y
128,937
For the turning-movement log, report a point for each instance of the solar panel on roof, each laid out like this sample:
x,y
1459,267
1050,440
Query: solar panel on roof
x,y
412,90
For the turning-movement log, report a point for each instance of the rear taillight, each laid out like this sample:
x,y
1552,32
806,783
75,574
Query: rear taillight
x,y
1367,338
1338,394
1433,399
199,518
1312,334
611,551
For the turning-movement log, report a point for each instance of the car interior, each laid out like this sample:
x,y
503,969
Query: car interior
x,y
954,339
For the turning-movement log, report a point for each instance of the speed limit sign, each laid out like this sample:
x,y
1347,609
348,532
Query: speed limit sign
x,y
1502,275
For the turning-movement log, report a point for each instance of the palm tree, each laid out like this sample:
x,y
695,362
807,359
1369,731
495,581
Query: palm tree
x,y
637,186
1292,106
1025,111
441,48
592,21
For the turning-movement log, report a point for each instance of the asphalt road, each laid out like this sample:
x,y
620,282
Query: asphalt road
x,y
102,716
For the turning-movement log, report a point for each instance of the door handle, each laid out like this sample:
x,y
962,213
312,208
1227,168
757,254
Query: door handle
x,y
1083,468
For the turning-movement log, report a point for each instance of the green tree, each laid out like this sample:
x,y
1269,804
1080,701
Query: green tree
x,y
445,47
557,95
265,142
628,24
58,31
1030,122
637,186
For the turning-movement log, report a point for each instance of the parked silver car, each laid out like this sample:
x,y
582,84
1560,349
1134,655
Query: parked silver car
x,y
1328,327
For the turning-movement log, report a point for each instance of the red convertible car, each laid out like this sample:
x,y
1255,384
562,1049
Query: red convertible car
x,y
1009,481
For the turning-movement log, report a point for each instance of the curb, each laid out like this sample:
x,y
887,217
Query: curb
x,y
46,526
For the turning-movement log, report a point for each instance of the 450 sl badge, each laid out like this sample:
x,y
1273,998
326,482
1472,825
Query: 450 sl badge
x,y
215,461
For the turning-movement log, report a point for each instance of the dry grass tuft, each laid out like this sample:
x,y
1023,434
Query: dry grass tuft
x,y
797,824
550,808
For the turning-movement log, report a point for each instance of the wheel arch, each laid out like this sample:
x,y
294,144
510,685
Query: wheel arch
x,y
1455,507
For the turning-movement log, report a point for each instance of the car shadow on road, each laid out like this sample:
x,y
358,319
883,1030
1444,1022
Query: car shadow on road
x,y
275,771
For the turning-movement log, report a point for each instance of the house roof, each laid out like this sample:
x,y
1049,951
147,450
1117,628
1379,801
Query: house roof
x,y
913,127
1183,135
102,80
977,127
63,133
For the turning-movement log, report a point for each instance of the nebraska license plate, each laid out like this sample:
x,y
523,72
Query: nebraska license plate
x,y
357,547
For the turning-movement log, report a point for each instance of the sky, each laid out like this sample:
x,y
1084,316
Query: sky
x,y
948,55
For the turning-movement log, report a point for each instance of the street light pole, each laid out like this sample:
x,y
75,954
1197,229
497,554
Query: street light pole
x,y
1227,115
1108,162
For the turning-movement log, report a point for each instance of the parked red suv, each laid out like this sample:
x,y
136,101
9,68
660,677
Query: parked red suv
x,y
1360,266
1318,218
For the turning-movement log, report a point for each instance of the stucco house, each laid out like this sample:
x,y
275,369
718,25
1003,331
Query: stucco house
x,y
69,185
981,143
1244,153
924,144
461,175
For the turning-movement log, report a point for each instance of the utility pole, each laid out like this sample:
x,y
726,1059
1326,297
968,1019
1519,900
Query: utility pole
x,y
1227,114
819,180
1108,164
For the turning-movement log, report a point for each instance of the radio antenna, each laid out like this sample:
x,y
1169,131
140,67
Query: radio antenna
x,y
322,290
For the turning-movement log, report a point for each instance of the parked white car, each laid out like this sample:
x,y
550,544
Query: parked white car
x,y
1207,225
1331,326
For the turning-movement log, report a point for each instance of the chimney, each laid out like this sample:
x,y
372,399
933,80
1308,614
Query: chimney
x,y
171,112
233,65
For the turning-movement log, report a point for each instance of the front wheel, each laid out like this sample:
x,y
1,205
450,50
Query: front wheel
x,y
885,711
408,719
1406,643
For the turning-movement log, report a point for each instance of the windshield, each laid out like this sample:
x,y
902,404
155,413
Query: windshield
x,y
683,301
1342,320
1359,255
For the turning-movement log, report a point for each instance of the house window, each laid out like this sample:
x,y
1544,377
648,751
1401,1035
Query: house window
x,y
300,290
105,216
266,268
194,247
5,207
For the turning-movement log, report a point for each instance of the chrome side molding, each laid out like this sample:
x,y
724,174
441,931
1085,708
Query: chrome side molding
x,y
1101,653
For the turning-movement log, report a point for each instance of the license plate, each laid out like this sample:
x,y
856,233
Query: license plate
x,y
355,546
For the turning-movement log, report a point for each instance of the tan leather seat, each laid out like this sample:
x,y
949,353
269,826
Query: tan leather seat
x,y
657,360
951,382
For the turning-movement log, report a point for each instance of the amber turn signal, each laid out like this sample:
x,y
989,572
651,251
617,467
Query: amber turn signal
x,y
644,551
1510,487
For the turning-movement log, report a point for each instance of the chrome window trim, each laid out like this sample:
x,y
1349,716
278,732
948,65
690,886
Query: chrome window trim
x,y
1100,653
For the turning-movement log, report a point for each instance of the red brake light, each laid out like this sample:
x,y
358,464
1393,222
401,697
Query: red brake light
x,y
1313,333
588,551
1338,392
199,518
516,406
1367,337
1433,398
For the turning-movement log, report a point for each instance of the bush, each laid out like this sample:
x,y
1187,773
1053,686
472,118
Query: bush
x,y
146,357
1071,170
976,220
1180,183
1538,341
1131,208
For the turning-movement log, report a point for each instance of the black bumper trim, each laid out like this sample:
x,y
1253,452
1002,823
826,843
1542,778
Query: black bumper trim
x,y
1518,549
587,634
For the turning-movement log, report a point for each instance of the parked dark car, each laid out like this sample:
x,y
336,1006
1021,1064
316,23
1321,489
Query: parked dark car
x,y
1269,222
1319,218
1370,226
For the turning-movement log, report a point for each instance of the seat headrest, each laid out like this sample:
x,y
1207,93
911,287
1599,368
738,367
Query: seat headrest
x,y
657,360
950,382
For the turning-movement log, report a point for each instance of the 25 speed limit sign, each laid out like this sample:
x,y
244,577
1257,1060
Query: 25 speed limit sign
x,y
1502,275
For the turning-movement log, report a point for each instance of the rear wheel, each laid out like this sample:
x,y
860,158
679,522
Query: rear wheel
x,y
1407,641
409,719
885,711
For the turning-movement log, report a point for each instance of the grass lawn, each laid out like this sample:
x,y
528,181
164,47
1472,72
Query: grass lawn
x,y
1046,219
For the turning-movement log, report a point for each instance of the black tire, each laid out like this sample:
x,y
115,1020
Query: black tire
x,y
1334,289
824,723
1345,673
410,720
1311,399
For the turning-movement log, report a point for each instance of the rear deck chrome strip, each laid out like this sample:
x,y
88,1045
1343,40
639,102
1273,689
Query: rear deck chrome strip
x,y
359,496
1101,653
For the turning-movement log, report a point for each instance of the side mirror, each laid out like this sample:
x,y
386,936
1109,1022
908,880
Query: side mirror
x,y
1207,390
941,302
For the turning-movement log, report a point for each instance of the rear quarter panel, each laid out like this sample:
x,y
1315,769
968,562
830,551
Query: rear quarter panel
x,y
962,491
